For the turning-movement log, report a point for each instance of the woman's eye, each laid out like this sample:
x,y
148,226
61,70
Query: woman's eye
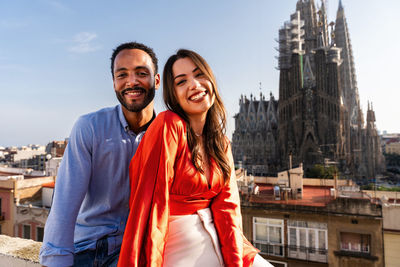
x,y
200,74
180,82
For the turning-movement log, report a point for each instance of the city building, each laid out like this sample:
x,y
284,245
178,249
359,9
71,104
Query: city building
x,y
52,166
393,148
37,162
34,157
296,221
25,152
391,229
32,211
21,208
388,138
318,115
56,148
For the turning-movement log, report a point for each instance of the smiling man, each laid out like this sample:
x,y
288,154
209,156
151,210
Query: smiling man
x,y
91,199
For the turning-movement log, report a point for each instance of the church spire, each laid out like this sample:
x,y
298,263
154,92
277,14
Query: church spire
x,y
348,78
340,5
324,22
308,15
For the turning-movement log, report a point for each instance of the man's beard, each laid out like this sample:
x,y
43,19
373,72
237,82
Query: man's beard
x,y
136,107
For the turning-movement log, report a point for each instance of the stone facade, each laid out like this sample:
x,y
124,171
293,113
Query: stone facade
x,y
254,142
318,116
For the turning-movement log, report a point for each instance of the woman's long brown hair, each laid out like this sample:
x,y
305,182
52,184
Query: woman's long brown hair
x,y
214,128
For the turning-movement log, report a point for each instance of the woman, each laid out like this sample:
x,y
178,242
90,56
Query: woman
x,y
185,205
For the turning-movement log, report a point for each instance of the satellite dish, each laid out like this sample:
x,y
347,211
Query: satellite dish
x,y
48,156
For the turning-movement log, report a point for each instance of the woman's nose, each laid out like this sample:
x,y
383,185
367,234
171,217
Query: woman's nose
x,y
194,83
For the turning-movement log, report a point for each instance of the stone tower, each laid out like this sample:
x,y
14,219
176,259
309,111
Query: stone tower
x,y
319,109
310,109
318,118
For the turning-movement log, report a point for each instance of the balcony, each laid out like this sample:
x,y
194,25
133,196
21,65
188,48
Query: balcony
x,y
307,253
270,249
355,254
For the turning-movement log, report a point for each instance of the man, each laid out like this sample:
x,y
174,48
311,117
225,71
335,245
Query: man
x,y
91,201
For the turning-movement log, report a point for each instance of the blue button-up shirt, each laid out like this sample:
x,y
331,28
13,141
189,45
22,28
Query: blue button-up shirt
x,y
91,197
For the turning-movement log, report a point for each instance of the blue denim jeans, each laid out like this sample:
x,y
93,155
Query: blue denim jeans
x,y
98,257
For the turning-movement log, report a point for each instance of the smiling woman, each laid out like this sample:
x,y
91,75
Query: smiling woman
x,y
193,90
184,192
192,94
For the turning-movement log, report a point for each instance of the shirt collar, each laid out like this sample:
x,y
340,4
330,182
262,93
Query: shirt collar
x,y
125,124
122,119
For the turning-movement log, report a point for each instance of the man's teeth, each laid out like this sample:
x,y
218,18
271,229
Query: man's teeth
x,y
133,93
195,97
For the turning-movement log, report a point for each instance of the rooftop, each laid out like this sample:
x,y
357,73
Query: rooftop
x,y
315,196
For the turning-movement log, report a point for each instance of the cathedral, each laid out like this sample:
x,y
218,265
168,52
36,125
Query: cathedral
x,y
317,119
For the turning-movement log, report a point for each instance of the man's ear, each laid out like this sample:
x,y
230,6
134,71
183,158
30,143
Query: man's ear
x,y
157,80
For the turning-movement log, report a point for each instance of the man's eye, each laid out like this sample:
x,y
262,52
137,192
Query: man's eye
x,y
142,74
121,75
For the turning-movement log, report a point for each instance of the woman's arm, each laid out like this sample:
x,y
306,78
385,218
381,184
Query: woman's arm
x,y
235,248
227,219
151,172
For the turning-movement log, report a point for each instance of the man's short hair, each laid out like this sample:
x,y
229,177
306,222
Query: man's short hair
x,y
134,45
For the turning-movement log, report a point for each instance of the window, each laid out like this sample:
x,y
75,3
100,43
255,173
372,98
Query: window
x,y
355,242
268,235
26,231
308,240
39,233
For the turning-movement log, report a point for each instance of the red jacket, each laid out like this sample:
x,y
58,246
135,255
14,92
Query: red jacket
x,y
163,182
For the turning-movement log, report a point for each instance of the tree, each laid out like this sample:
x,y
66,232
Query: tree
x,y
320,171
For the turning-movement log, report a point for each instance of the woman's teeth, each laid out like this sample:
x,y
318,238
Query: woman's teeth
x,y
197,96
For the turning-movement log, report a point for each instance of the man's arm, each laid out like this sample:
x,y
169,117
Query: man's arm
x,y
70,189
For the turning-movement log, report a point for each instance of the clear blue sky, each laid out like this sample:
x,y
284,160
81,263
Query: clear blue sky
x,y
54,55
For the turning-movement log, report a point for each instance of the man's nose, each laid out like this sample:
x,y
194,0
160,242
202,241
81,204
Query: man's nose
x,y
132,81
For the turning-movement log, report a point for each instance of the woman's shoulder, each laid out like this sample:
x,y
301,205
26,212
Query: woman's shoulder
x,y
172,117
168,119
